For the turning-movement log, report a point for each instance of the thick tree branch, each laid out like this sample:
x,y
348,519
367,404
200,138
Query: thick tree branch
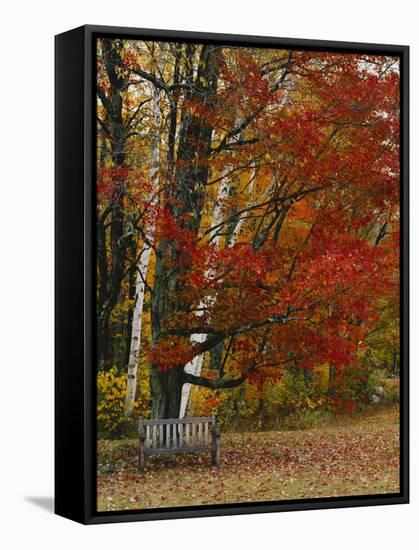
x,y
250,118
132,117
221,383
105,101
158,83
104,126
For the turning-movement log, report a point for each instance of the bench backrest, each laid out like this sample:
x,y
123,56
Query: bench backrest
x,y
178,433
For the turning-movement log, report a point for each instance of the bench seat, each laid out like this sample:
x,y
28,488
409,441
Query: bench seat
x,y
178,435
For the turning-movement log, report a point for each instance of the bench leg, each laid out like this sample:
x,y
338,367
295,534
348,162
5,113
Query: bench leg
x,y
216,456
141,461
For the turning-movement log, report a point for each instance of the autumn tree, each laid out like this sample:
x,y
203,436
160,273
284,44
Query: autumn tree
x,y
274,216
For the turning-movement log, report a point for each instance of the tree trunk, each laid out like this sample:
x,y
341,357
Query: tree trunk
x,y
330,385
142,267
395,364
109,289
136,331
186,203
166,390
132,289
195,366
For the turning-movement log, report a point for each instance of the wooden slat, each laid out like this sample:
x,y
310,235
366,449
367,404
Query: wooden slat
x,y
194,420
174,436
198,449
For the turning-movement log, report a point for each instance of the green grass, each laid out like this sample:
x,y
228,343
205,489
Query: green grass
x,y
342,459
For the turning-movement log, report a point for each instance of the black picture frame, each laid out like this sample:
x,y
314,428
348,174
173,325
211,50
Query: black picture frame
x,y
75,441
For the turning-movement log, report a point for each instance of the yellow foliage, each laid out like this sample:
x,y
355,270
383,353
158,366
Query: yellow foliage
x,y
111,393
205,401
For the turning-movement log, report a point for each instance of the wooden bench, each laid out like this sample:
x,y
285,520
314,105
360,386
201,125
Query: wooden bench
x,y
178,435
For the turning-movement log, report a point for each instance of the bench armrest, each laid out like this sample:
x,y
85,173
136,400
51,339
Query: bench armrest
x,y
215,431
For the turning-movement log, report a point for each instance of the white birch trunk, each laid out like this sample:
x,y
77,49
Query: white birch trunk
x,y
242,218
140,287
195,366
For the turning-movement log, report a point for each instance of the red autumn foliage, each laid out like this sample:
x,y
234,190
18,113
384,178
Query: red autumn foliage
x,y
318,247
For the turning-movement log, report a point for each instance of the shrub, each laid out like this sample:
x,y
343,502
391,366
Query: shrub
x,y
111,393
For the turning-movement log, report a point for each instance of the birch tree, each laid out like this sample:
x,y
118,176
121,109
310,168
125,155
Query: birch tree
x,y
194,367
142,267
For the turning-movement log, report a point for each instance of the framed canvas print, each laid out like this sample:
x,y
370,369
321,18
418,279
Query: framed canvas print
x,y
231,274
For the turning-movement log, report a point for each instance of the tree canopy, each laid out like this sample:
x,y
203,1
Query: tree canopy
x,y
248,199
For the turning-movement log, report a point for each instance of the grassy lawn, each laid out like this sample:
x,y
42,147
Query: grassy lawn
x,y
356,456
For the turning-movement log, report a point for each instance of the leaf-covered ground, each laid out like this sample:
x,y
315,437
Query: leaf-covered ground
x,y
345,459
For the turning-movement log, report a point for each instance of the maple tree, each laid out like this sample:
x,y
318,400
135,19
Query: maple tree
x,y
263,187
